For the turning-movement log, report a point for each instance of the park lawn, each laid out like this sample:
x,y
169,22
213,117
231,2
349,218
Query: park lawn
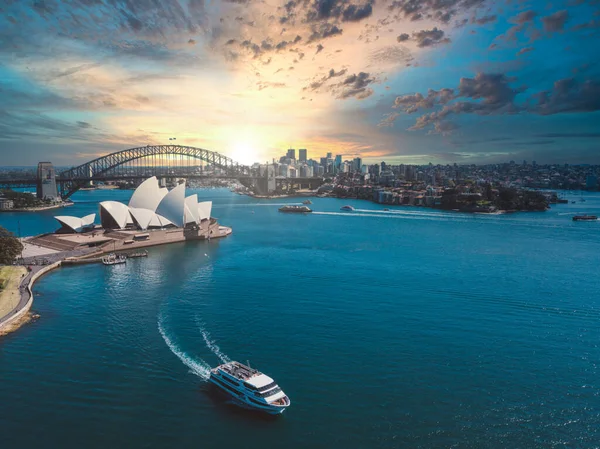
x,y
10,295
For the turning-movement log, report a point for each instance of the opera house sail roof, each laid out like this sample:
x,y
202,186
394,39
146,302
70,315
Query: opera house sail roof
x,y
76,224
151,206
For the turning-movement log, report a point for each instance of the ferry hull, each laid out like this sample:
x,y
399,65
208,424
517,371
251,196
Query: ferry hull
x,y
241,399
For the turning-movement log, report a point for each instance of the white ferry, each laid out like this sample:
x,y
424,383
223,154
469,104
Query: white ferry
x,y
249,387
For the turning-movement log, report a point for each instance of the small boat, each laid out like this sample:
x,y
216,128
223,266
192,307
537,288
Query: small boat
x,y
307,202
138,254
386,210
348,208
585,218
113,259
573,202
297,209
249,387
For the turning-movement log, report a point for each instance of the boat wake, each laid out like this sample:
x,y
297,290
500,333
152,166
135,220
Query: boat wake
x,y
198,367
211,344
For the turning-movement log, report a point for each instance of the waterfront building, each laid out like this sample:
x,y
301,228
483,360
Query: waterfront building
x,y
284,170
46,181
75,224
591,182
357,164
302,155
151,206
337,164
6,204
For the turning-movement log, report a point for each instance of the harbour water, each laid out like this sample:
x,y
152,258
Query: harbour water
x,y
408,328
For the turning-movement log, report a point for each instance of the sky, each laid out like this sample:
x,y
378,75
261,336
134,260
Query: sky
x,y
405,81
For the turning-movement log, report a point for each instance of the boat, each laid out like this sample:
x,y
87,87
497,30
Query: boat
x,y
307,202
300,209
585,218
138,254
113,259
386,210
249,387
349,208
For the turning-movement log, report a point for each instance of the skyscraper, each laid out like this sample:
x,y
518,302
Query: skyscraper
x,y
46,181
302,155
291,153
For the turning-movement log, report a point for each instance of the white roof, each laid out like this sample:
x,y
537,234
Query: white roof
x,y
76,224
260,381
148,195
118,211
159,221
191,209
204,210
142,217
172,206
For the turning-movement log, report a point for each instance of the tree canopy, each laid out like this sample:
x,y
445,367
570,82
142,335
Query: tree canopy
x,y
10,247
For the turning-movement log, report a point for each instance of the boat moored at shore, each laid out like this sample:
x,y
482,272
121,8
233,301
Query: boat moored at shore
x,y
249,387
113,259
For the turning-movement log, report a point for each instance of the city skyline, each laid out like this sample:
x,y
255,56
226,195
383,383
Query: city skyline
x,y
404,81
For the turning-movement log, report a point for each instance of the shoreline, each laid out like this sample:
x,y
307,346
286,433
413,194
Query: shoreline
x,y
39,209
314,195
20,315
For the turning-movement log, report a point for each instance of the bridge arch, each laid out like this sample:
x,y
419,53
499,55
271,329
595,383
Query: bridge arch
x,y
107,167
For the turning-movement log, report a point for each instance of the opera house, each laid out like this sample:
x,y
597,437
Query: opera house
x,y
150,207
153,216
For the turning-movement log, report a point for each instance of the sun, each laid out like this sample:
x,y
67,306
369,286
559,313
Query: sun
x,y
244,152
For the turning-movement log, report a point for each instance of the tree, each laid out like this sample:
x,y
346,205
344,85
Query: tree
x,y
10,247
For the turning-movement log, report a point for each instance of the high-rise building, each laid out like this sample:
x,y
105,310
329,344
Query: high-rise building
x,y
302,155
337,162
291,153
46,181
357,164
329,155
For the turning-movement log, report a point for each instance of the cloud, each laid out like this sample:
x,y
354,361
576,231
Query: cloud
x,y
492,92
84,125
521,23
388,120
335,9
403,37
319,49
555,22
323,31
485,19
569,95
524,50
356,86
428,38
192,42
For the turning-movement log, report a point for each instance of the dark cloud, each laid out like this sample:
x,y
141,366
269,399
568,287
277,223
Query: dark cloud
x,y
492,92
84,125
428,38
569,95
323,31
342,10
319,49
354,13
485,19
356,86
192,42
555,22
521,21
403,37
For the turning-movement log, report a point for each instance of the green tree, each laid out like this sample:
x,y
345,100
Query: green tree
x,y
10,247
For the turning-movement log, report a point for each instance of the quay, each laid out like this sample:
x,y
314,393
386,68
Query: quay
x,y
153,217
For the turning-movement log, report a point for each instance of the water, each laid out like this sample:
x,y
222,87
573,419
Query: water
x,y
408,328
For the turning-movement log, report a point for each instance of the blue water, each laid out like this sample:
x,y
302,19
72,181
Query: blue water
x,y
410,328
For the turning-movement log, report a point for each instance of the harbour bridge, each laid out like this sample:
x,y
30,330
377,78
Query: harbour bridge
x,y
162,161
